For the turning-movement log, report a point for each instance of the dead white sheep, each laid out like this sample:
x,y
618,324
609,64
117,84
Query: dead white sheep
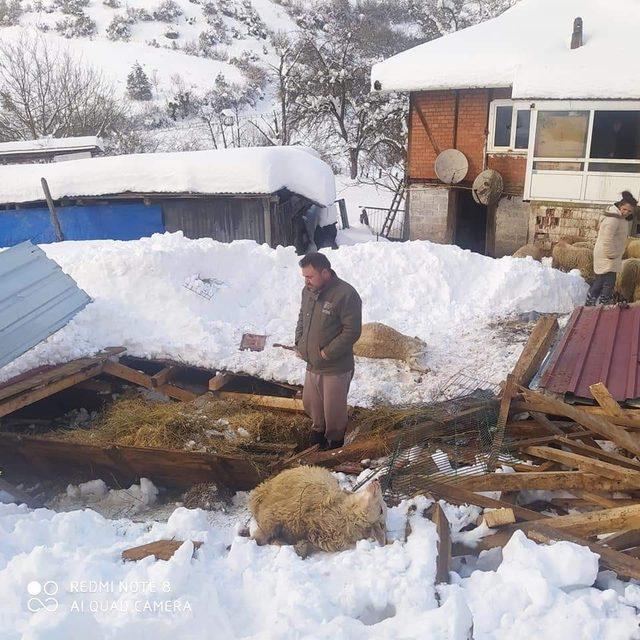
x,y
378,340
567,257
306,507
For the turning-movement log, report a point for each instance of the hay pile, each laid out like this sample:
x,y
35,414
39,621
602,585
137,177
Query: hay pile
x,y
567,257
628,280
207,425
529,250
378,340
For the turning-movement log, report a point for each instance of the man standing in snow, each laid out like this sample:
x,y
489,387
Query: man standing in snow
x,y
609,249
329,324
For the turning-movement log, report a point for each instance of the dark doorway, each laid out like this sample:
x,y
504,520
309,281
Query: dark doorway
x,y
471,223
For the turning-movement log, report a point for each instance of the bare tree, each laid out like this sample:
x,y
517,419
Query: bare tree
x,y
45,91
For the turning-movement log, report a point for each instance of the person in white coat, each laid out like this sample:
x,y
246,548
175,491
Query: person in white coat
x,y
609,248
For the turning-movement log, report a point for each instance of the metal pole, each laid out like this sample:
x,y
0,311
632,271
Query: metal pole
x,y
52,211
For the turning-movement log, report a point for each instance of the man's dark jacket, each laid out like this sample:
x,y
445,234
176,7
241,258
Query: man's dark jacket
x,y
331,321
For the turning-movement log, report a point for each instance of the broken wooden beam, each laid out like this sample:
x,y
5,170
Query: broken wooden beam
x,y
596,424
548,480
269,402
221,379
606,400
164,375
499,517
161,549
584,463
443,560
542,336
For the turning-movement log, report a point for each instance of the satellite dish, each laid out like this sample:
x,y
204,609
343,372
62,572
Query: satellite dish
x,y
451,166
487,187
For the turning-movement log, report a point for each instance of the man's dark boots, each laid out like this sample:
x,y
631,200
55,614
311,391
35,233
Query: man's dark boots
x,y
317,437
332,444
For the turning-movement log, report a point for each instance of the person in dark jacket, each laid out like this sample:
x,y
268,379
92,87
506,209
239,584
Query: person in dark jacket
x,y
329,323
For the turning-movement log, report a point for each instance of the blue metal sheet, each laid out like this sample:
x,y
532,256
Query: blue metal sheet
x,y
36,299
117,221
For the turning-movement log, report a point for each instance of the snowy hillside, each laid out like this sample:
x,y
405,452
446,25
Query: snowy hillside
x,y
177,42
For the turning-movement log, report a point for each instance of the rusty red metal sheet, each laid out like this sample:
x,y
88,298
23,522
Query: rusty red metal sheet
x,y
600,344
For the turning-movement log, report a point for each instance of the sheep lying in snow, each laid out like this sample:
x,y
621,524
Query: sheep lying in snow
x,y
567,257
306,507
527,250
628,280
378,340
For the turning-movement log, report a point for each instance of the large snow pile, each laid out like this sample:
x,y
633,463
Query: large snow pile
x,y
254,170
452,299
528,48
61,577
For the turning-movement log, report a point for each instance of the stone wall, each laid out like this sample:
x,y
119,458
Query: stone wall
x,y
428,213
512,225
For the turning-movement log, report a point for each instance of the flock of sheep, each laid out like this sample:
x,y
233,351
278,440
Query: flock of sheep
x,y
571,253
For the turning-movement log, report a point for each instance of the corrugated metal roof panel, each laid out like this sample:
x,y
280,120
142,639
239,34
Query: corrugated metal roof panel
x,y
36,299
600,344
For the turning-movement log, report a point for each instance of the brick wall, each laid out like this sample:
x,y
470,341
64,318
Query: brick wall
x,y
428,213
469,136
549,222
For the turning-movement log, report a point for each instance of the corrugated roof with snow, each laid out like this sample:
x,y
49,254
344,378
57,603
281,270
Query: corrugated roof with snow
x,y
51,145
250,171
528,48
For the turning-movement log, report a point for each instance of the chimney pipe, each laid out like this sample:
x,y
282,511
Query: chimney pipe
x,y
576,36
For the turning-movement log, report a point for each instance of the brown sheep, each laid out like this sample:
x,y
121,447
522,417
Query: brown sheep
x,y
628,280
584,244
378,340
568,257
307,505
532,250
633,248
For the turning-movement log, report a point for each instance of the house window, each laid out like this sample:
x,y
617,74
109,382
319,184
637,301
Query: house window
x,y
584,151
509,127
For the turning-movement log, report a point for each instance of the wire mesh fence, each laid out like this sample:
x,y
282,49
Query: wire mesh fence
x,y
445,442
374,218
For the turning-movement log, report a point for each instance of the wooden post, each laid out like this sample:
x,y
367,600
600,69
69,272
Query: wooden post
x,y
443,562
52,211
344,217
268,232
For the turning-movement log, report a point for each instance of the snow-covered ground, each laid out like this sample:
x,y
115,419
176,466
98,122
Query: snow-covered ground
x,y
61,578
452,299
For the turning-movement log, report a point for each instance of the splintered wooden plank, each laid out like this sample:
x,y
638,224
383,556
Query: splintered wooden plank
x,y
594,423
582,524
499,517
164,375
601,454
161,549
220,380
443,561
270,402
29,397
119,370
622,540
548,480
459,495
605,399
584,463
537,347
625,566
543,421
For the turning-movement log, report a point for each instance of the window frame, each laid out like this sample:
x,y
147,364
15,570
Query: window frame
x,y
517,105
590,106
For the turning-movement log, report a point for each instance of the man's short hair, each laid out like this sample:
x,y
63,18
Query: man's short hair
x,y
316,260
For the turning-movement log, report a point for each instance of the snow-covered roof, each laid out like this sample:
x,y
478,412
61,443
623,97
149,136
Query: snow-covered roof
x,y
528,48
50,144
251,170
